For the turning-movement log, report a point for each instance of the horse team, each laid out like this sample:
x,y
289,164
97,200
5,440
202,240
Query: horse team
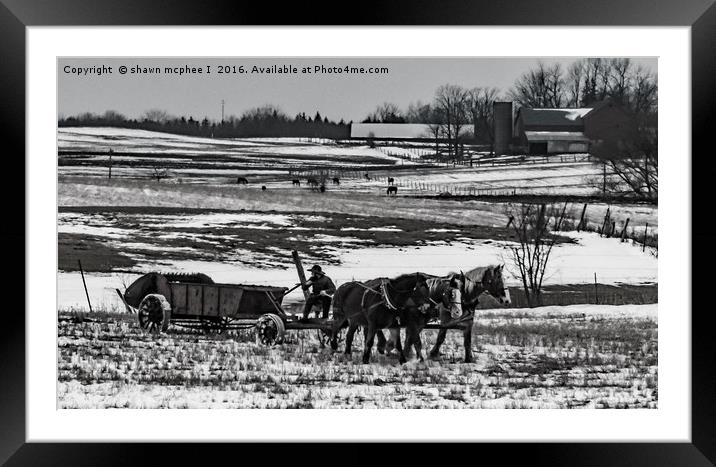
x,y
411,301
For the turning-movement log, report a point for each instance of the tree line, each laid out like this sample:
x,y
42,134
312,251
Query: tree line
x,y
265,121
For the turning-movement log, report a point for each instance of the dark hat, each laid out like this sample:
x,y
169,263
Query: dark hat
x,y
316,268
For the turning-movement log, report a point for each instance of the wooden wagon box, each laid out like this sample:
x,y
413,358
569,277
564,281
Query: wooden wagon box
x,y
224,300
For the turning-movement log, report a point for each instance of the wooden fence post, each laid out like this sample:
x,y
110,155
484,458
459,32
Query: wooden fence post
x,y
82,273
624,229
596,289
643,245
581,219
558,223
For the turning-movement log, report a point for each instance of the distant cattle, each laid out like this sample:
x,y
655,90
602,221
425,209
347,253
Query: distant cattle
x,y
242,181
312,182
323,188
336,181
392,190
296,182
263,187
391,180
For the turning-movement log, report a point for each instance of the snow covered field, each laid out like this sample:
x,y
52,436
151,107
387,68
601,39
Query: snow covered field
x,y
244,247
84,152
613,262
581,356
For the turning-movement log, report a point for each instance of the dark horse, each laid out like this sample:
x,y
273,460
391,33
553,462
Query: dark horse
x,y
242,180
336,181
379,304
296,181
391,180
392,189
487,279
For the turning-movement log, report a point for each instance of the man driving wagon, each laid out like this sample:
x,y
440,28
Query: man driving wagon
x,y
322,290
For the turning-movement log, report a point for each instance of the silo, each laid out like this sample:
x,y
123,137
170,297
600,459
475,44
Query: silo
x,y
503,127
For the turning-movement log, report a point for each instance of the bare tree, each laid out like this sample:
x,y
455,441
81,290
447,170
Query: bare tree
x,y
574,83
451,105
644,91
541,87
419,112
634,158
531,227
480,107
620,80
156,115
386,112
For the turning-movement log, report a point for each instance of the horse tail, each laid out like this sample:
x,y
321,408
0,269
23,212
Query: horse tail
x,y
339,314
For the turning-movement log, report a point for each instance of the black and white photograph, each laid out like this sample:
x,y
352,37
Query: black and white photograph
x,y
357,232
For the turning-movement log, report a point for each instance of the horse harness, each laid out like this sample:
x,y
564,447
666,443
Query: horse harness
x,y
385,296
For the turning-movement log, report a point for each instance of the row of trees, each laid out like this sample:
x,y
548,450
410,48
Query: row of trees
x,y
585,82
266,121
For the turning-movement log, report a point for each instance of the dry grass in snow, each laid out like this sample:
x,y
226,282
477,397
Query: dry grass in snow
x,y
555,357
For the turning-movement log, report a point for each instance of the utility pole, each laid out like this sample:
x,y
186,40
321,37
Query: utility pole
x,y
222,110
110,163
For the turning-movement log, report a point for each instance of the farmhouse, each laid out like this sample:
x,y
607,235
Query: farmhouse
x,y
550,131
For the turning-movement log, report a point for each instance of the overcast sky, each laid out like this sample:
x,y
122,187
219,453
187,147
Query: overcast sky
x,y
347,96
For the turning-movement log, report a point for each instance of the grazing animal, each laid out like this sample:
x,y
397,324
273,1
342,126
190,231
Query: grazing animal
x,y
378,304
392,189
367,177
336,181
263,187
296,182
242,181
312,182
391,180
323,188
474,283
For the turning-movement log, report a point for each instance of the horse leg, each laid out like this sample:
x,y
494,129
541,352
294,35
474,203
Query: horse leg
x,y
404,349
435,351
349,337
413,333
394,337
400,347
337,326
369,336
381,341
418,345
467,341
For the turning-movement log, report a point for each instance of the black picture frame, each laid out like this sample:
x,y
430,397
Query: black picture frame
x,y
17,15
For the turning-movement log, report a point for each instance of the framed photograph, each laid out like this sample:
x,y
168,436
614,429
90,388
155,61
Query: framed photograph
x,y
310,231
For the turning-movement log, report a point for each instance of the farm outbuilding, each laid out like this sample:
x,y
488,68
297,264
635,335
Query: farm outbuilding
x,y
570,130
392,131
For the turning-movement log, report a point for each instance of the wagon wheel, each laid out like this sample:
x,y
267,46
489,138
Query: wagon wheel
x,y
153,313
270,329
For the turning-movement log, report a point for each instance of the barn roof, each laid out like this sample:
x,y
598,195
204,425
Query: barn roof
x,y
391,130
556,117
541,136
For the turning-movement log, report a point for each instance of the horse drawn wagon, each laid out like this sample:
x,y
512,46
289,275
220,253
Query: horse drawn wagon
x,y
196,301
413,301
